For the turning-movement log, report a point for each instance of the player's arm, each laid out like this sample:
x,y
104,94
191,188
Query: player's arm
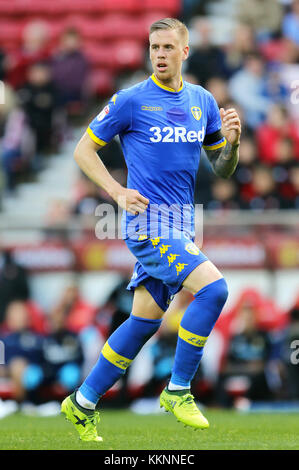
x,y
224,159
87,158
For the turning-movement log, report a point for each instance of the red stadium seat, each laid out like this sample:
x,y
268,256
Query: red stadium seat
x,y
102,82
10,33
128,55
87,27
7,8
30,7
173,7
118,56
130,6
80,6
148,18
107,28
113,27
99,55
98,6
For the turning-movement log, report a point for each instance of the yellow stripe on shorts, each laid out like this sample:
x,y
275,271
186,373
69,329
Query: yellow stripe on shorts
x,y
115,359
191,338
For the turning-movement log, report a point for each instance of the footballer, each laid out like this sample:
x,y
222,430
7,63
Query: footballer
x,y
162,122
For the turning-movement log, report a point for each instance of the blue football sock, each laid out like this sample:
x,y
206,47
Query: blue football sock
x,y
117,354
196,325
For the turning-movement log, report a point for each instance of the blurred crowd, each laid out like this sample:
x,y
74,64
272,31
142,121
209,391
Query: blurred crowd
x,y
47,92
255,69
251,354
45,86
255,73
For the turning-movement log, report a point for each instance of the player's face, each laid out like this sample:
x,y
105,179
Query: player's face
x,y
167,53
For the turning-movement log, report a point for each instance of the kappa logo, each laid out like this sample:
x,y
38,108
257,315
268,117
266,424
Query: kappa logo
x,y
163,249
180,267
103,113
142,237
196,112
171,258
192,249
155,241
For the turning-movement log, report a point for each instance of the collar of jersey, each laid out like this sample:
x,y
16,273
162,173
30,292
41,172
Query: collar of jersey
x,y
166,87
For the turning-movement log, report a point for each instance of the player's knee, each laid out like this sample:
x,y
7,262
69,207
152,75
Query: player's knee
x,y
217,291
221,290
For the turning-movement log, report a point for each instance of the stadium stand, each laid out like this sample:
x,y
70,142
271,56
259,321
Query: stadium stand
x,y
47,214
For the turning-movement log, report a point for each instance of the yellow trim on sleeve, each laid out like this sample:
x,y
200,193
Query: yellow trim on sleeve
x,y
191,338
115,359
214,147
95,138
156,81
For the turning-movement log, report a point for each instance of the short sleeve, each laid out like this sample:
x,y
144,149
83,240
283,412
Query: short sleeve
x,y
213,138
115,117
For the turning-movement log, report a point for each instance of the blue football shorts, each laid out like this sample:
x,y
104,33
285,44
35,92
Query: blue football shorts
x,y
163,264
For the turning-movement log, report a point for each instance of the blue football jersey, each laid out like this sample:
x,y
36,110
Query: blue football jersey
x,y
161,132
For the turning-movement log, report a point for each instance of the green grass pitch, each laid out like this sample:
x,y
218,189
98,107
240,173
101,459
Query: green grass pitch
x,y
123,430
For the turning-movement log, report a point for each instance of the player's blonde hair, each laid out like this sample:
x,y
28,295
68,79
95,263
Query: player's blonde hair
x,y
171,23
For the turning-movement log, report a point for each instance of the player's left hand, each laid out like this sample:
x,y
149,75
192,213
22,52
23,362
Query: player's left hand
x,y
231,125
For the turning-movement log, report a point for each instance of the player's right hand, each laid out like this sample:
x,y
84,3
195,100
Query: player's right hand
x,y
132,201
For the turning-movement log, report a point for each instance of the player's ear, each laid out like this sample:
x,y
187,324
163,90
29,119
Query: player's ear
x,y
185,52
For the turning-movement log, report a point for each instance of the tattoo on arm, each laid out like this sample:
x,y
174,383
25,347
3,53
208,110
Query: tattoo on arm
x,y
224,160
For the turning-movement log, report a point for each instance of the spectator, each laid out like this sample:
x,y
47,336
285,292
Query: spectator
x,y
247,162
192,8
262,193
288,75
218,87
275,89
38,97
206,60
247,88
89,197
269,135
290,23
14,284
23,352
285,153
242,44
285,161
62,354
18,147
121,301
70,69
247,357
264,16
113,158
117,309
289,191
78,313
2,64
8,106
290,344
223,195
35,48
